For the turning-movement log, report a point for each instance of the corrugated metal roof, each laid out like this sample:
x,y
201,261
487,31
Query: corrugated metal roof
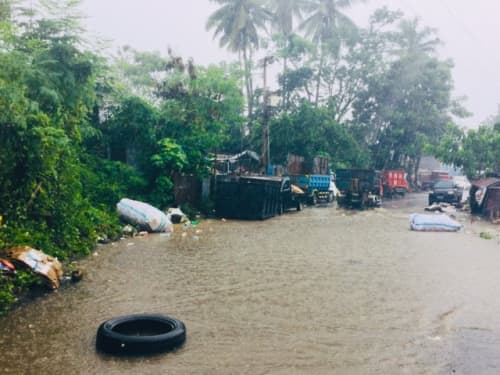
x,y
485,182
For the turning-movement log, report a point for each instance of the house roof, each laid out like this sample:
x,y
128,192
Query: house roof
x,y
485,182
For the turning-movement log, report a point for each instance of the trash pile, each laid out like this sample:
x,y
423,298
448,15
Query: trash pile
x,y
441,207
7,267
40,263
142,218
176,216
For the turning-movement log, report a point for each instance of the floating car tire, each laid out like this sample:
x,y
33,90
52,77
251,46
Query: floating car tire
x,y
140,334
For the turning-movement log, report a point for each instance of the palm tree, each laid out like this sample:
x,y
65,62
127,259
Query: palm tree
x,y
413,42
326,25
237,23
285,12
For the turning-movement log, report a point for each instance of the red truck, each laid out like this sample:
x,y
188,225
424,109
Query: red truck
x,y
394,182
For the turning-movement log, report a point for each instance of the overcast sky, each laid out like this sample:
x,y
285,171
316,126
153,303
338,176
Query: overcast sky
x,y
469,30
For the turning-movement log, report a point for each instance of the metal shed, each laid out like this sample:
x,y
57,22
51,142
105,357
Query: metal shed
x,y
485,197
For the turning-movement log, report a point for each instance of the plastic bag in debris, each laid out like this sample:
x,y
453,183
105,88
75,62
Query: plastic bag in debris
x,y
144,215
434,223
50,268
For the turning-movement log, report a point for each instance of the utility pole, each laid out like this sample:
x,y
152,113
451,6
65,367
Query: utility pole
x,y
266,155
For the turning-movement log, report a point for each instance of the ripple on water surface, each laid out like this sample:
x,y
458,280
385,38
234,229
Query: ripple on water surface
x,y
314,292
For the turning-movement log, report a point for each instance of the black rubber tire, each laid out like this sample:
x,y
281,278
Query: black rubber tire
x,y
140,334
330,197
314,199
300,207
281,209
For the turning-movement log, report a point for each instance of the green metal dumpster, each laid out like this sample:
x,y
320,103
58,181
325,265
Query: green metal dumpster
x,y
248,197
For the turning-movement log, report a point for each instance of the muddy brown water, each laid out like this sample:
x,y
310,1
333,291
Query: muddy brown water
x,y
322,291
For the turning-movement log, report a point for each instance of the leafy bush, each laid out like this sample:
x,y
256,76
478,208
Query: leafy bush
x,y
6,294
13,286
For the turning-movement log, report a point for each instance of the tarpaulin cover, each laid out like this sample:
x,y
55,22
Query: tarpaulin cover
x,y
433,223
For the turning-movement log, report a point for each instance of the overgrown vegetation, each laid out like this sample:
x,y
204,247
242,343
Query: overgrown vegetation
x,y
78,131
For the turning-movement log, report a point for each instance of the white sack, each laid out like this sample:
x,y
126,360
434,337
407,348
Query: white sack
x,y
144,215
434,223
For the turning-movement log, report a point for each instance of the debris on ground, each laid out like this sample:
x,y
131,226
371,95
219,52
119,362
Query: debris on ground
x,y
129,231
103,239
7,267
434,223
441,207
486,235
77,275
144,215
176,215
39,262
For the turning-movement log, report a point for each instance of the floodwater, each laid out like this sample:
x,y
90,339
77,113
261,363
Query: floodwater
x,y
322,291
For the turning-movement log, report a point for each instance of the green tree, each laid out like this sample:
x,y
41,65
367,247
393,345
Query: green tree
x,y
284,13
139,72
198,109
407,104
358,62
45,93
413,41
477,151
404,109
130,131
309,131
237,24
326,25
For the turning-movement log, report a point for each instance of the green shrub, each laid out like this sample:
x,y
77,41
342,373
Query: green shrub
x,y
6,293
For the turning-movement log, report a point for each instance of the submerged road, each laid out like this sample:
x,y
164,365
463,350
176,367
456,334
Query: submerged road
x,y
322,291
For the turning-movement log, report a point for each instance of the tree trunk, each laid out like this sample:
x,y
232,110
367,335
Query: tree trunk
x,y
284,93
248,82
320,72
415,172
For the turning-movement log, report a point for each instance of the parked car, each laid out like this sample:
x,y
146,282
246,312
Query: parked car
x,y
445,191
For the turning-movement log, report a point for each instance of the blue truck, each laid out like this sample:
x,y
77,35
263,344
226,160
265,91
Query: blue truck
x,y
317,187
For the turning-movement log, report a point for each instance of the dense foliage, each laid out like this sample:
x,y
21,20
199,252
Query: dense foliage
x,y
79,131
477,151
